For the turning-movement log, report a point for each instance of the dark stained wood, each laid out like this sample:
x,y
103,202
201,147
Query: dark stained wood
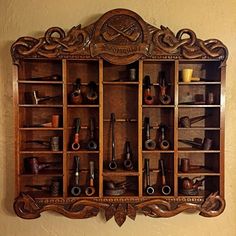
x,y
104,52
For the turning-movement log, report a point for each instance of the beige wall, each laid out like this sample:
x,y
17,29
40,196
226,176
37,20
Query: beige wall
x,y
208,18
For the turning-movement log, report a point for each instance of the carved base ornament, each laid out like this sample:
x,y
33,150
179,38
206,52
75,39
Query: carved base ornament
x,y
28,208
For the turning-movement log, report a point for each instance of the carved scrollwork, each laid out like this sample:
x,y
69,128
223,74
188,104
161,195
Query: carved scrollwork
x,y
189,47
27,207
55,43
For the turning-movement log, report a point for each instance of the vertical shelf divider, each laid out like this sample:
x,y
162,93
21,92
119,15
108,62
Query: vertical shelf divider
x,y
222,130
100,127
176,101
17,126
140,118
65,128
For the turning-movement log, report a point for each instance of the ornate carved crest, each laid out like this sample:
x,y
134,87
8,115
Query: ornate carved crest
x,y
121,37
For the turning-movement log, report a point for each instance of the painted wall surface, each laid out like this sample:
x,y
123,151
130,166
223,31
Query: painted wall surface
x,y
208,18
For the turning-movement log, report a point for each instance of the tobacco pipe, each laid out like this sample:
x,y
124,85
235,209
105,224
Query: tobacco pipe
x,y
113,165
128,164
164,143
92,94
90,190
37,99
205,145
185,166
186,122
41,142
76,190
53,188
165,189
189,187
148,98
54,123
92,145
149,189
149,143
76,95
33,165
164,98
115,189
75,145
48,78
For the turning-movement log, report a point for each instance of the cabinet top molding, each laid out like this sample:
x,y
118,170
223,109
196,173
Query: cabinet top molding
x,y
120,36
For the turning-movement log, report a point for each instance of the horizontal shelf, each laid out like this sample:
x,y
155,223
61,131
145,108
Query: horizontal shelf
x,y
199,128
188,150
198,106
42,195
158,106
120,82
39,129
39,105
83,106
200,83
122,120
200,172
157,151
43,173
40,152
82,151
38,82
120,173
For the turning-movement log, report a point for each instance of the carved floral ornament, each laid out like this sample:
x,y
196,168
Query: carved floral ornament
x,y
27,207
121,37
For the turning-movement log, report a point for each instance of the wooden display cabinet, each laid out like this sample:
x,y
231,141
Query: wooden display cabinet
x,y
142,115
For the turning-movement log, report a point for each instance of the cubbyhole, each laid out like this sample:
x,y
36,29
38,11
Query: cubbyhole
x,y
36,140
161,127
36,69
115,186
39,117
199,94
200,186
199,139
160,186
87,188
156,70
40,94
199,118
127,132
42,164
207,71
39,186
120,73
201,163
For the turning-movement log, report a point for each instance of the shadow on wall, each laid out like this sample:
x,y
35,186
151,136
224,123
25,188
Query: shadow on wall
x,y
7,129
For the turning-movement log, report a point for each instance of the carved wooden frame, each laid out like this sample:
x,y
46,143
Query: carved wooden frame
x,y
135,39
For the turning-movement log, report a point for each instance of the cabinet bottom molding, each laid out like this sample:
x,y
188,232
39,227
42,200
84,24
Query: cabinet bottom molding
x,y
28,207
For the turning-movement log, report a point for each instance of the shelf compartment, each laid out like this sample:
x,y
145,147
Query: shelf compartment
x,y
208,70
37,68
43,90
119,73
210,185
156,175
37,135
211,122
131,187
191,135
86,70
205,94
40,180
153,69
